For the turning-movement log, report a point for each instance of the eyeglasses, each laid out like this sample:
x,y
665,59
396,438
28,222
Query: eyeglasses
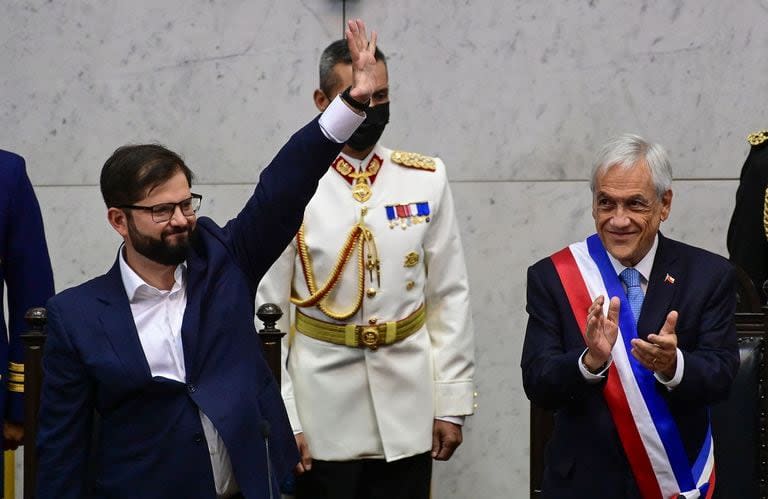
x,y
164,211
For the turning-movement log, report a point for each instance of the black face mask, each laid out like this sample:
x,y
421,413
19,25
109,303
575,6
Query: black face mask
x,y
370,131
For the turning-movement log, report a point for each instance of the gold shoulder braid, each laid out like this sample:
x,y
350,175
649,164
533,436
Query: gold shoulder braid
x,y
758,138
413,160
765,214
15,377
360,238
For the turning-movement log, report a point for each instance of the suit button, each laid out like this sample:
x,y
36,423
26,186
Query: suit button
x,y
192,388
198,438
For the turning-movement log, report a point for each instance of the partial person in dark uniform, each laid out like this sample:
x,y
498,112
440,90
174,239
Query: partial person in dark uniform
x,y
748,231
25,268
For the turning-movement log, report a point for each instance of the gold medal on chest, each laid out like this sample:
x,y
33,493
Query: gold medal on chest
x,y
361,191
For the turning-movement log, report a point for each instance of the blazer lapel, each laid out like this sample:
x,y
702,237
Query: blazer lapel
x,y
119,326
190,325
662,287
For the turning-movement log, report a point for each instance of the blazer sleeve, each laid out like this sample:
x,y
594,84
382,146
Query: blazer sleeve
x,y
66,416
552,344
273,214
28,276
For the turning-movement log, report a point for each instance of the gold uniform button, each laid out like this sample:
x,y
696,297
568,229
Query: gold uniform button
x,y
364,211
371,292
409,285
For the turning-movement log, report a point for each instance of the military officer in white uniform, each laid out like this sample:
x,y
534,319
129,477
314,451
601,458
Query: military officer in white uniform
x,y
378,368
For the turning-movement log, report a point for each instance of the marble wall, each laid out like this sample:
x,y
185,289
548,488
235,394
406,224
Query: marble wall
x,y
515,96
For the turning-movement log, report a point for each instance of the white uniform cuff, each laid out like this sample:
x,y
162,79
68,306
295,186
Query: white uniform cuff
x,y
338,121
454,397
293,415
458,420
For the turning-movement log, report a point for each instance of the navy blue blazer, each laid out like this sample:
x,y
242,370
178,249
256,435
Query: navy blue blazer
x,y
585,457
150,443
26,270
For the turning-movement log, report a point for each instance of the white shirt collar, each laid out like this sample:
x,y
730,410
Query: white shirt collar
x,y
132,282
644,266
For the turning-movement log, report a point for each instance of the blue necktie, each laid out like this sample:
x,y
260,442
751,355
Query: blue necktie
x,y
631,278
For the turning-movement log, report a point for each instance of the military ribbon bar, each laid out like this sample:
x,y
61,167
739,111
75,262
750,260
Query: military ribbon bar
x,y
408,214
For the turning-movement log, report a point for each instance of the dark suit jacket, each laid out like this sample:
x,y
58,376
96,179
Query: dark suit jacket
x,y
151,442
585,457
26,270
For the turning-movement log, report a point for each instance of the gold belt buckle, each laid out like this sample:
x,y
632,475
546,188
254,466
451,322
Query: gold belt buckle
x,y
369,337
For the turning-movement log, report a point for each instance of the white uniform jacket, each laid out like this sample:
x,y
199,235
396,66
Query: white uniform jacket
x,y
356,403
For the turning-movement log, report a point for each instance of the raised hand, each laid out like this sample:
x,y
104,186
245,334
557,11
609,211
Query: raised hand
x,y
363,53
659,353
602,331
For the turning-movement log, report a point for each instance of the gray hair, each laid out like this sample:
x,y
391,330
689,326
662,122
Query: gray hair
x,y
626,151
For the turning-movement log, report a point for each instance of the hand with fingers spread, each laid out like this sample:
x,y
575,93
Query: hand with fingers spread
x,y
363,51
601,333
659,352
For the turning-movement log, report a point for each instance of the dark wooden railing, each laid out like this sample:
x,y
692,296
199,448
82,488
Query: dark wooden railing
x,y
34,339
271,337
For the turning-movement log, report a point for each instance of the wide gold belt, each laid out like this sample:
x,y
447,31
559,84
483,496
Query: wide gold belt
x,y
352,335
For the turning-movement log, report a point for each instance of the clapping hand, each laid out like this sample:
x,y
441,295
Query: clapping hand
x,y
659,353
602,331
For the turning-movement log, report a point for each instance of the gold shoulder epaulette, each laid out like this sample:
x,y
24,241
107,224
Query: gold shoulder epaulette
x,y
413,160
758,138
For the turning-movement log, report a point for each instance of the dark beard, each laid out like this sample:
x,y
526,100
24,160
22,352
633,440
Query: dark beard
x,y
159,250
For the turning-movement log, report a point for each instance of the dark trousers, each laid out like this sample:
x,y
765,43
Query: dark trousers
x,y
407,478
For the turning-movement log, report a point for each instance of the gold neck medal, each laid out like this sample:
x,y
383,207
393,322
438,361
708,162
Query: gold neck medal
x,y
360,181
361,191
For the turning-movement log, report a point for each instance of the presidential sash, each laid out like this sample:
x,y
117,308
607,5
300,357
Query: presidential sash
x,y
644,423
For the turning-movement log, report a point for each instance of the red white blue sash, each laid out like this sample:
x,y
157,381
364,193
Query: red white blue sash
x,y
647,431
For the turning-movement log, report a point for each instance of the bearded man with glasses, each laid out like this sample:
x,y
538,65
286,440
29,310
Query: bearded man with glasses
x,y
163,347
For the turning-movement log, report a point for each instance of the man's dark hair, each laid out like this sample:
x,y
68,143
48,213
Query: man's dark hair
x,y
335,53
134,170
